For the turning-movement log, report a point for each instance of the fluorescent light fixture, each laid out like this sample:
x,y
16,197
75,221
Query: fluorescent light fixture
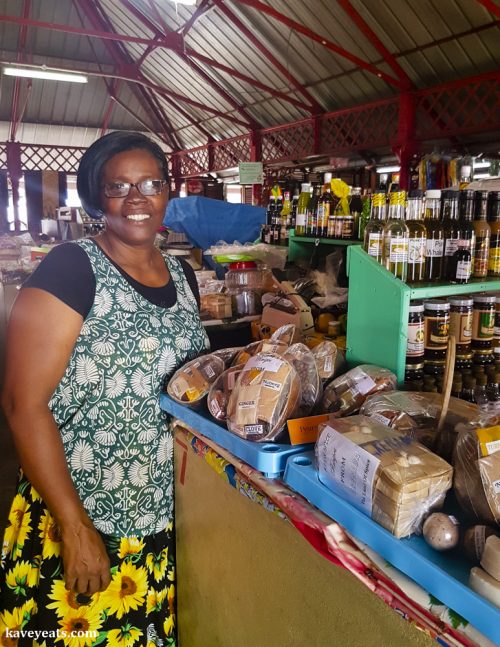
x,y
481,164
388,169
41,73
188,2
482,176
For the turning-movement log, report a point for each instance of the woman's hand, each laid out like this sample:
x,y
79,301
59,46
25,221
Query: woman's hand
x,y
85,561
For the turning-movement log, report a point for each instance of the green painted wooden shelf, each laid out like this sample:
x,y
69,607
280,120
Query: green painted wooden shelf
x,y
378,310
300,246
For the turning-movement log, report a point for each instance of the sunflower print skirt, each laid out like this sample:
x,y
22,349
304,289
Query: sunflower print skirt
x,y
36,610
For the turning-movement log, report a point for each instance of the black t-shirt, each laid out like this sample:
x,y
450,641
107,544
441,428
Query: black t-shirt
x,y
66,273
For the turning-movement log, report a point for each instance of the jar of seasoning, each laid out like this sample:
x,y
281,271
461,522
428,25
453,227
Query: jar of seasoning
x,y
461,322
483,321
416,334
483,357
414,372
434,367
464,361
436,323
496,332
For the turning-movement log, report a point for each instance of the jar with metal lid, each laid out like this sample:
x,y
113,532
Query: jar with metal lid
x,y
464,360
496,332
416,334
436,324
483,321
461,322
434,367
484,357
414,372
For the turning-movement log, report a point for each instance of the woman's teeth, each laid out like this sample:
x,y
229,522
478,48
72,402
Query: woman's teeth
x,y
138,216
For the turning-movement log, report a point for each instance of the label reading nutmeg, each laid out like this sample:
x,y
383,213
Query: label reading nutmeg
x,y
275,386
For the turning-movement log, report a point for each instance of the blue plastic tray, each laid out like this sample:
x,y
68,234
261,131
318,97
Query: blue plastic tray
x,y
443,575
269,458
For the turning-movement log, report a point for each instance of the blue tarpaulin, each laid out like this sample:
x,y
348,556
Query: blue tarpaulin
x,y
205,221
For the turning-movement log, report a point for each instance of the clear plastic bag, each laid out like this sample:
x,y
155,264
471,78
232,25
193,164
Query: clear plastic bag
x,y
284,334
418,414
387,475
266,394
190,384
263,346
476,461
347,393
311,387
330,360
227,355
220,391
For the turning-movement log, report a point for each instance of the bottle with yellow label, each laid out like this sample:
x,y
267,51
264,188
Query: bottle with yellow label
x,y
396,237
493,209
374,230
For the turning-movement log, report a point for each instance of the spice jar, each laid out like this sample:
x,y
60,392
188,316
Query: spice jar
x,y
437,323
484,357
483,321
434,367
416,334
461,322
464,361
414,373
244,283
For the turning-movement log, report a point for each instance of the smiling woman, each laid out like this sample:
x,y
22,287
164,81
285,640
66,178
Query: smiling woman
x,y
93,335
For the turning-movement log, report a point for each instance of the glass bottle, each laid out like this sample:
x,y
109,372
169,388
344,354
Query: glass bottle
x,y
293,215
465,218
460,267
302,204
312,217
418,236
493,209
483,235
435,236
468,389
449,219
480,394
285,214
396,236
365,217
324,210
374,230
356,207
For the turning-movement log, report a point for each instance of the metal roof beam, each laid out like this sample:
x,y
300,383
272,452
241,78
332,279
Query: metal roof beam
x,y
110,106
316,107
204,6
491,6
293,24
388,57
119,53
252,123
15,117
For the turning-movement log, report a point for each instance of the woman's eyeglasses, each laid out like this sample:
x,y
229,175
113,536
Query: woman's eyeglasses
x,y
122,189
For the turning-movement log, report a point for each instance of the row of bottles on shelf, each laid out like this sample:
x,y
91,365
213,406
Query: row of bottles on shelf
x,y
314,211
474,323
445,235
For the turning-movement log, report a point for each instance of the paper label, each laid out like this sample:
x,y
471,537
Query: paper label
x,y
231,379
450,247
382,419
463,270
374,245
398,250
416,250
434,247
328,365
209,371
461,326
496,486
300,219
246,404
346,468
275,386
264,363
416,338
363,383
254,430
483,324
489,440
436,332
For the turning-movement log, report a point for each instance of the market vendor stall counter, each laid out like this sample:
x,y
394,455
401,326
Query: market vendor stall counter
x,y
271,574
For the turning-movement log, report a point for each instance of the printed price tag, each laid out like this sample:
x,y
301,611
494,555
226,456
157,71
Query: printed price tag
x,y
328,364
264,363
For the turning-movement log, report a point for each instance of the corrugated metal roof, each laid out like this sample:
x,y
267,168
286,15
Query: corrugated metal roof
x,y
433,41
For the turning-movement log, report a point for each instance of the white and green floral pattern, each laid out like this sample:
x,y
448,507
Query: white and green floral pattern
x,y
118,443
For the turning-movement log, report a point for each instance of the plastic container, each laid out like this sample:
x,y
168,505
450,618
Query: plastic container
x,y
244,283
